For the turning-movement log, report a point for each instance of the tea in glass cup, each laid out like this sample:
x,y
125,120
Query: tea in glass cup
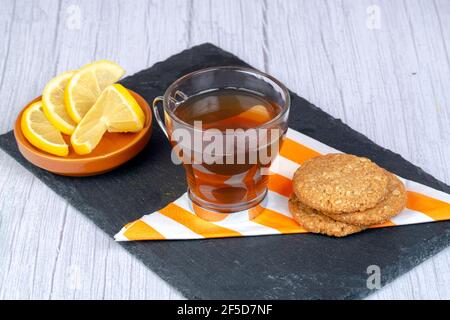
x,y
226,125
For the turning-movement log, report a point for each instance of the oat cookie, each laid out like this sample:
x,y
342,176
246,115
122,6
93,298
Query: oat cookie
x,y
391,205
340,183
316,222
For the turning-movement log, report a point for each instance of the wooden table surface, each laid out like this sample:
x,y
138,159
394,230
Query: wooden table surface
x,y
383,67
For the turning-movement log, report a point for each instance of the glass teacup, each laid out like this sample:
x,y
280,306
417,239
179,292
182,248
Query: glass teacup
x,y
226,125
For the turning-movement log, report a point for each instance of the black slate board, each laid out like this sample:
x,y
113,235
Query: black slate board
x,y
304,266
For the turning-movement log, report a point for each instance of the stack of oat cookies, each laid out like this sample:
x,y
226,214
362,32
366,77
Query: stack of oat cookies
x,y
341,194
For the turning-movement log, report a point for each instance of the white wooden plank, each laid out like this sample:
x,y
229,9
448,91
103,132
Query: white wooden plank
x,y
236,26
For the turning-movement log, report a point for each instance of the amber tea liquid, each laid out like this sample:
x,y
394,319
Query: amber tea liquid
x,y
229,184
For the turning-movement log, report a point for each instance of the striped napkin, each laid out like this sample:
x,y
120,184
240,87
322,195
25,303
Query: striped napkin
x,y
180,219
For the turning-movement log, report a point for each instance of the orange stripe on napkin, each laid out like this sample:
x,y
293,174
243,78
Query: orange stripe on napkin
x,y
382,225
280,184
297,152
278,221
196,224
139,230
435,209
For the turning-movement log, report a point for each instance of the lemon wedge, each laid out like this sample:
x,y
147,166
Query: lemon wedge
x,y
115,111
53,103
41,133
87,84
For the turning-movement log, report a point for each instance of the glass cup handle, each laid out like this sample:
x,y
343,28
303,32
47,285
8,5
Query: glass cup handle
x,y
158,116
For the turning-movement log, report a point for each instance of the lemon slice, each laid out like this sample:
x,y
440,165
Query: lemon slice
x,y
41,133
115,111
53,103
87,84
256,113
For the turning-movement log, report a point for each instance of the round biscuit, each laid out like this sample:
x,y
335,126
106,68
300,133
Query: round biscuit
x,y
390,206
340,183
316,222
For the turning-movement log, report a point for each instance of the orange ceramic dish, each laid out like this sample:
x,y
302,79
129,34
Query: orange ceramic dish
x,y
113,150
